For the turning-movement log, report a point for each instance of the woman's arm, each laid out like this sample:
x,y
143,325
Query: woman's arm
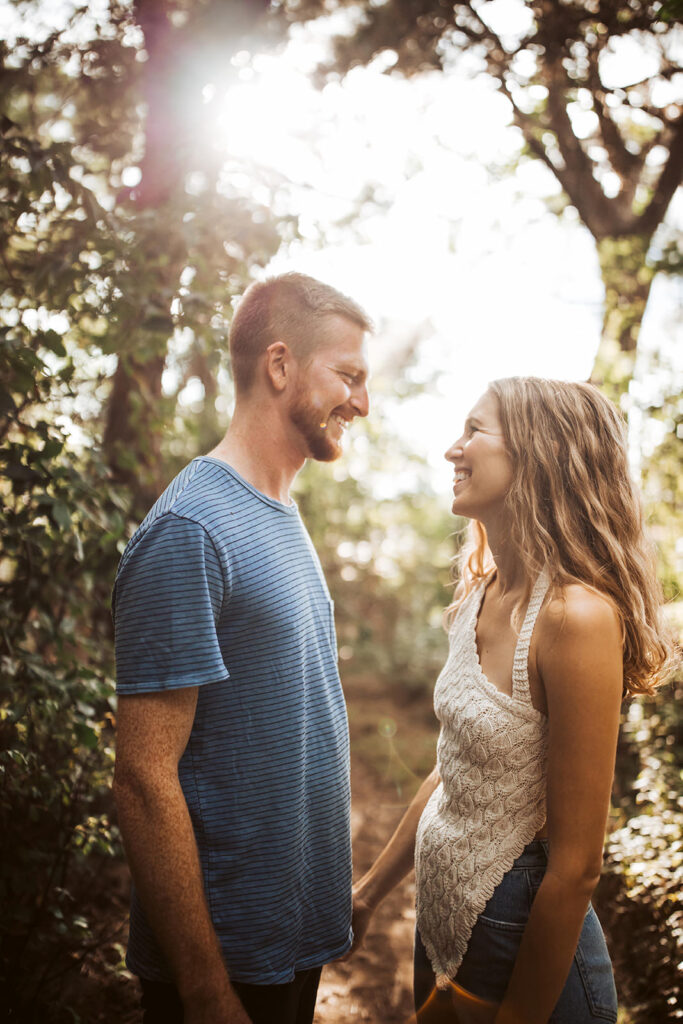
x,y
579,658
393,863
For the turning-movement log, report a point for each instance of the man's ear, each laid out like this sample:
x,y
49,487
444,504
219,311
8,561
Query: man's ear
x,y
279,365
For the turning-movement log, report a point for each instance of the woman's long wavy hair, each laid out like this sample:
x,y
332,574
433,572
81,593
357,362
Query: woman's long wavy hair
x,y
573,508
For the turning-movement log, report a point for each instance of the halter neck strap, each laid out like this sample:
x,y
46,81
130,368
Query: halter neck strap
x,y
520,665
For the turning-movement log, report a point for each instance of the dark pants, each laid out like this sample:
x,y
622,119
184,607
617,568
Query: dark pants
x,y
292,1003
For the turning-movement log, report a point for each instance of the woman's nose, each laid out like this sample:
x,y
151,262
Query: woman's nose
x,y
454,452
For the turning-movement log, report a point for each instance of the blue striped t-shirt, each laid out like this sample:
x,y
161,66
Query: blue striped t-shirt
x,y
220,588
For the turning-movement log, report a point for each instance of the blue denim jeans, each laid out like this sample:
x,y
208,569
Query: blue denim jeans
x,y
589,994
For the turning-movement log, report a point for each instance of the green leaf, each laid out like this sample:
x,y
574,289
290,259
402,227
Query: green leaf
x,y
16,471
7,403
61,515
87,736
53,341
52,447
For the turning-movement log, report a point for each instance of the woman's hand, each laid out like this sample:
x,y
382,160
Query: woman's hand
x,y
471,1009
456,1006
392,865
360,919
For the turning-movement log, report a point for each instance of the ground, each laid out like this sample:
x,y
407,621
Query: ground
x,y
376,983
393,739
393,736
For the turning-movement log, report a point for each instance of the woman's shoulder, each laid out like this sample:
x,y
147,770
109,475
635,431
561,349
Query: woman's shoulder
x,y
576,612
580,652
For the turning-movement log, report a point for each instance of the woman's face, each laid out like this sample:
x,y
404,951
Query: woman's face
x,y
483,467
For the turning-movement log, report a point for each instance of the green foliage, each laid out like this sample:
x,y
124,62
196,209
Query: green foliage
x,y
627,278
62,527
662,475
671,10
640,897
386,559
89,279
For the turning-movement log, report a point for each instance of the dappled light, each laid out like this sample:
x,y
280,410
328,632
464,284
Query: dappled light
x,y
498,187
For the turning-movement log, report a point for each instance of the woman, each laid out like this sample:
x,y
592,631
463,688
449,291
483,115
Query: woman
x,y
554,620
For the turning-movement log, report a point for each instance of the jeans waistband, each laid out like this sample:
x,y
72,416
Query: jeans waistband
x,y
534,854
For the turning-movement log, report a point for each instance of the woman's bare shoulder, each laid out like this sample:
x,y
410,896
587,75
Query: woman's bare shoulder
x,y
579,653
578,613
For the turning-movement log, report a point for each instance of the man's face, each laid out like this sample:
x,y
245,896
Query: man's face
x,y
331,389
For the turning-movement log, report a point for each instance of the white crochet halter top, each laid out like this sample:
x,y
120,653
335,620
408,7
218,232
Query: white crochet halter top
x,y
490,803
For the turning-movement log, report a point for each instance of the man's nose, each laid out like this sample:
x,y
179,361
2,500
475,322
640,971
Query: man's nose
x,y
360,400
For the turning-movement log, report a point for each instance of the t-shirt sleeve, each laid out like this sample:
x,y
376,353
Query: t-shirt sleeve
x,y
167,598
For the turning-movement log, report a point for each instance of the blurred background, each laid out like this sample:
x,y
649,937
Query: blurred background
x,y
497,183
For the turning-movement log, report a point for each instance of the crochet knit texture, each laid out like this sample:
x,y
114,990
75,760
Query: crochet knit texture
x,y
491,756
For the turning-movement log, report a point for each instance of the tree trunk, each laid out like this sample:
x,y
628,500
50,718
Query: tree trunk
x,y
134,415
627,279
132,431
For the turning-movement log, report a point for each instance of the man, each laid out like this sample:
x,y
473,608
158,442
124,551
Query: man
x,y
231,778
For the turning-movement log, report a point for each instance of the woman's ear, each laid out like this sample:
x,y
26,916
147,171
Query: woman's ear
x,y
278,365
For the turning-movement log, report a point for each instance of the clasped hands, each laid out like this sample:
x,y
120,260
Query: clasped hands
x,y
469,1009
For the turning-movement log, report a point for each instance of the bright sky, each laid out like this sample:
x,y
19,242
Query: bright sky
x,y
459,251
468,259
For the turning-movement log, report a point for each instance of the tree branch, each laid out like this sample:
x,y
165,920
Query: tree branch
x,y
597,212
669,180
626,164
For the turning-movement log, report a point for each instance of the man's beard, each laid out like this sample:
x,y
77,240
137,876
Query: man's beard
x,y
308,420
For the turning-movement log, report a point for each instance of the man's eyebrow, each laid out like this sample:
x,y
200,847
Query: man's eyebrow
x,y
351,370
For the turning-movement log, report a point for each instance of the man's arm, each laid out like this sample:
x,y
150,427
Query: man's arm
x,y
152,733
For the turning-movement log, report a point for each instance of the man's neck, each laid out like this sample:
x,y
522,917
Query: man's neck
x,y
255,447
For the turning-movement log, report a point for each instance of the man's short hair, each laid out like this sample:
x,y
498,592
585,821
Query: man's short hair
x,y
290,307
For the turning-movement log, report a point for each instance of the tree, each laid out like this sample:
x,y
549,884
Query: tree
x,y
612,138
100,289
173,36
662,473
94,100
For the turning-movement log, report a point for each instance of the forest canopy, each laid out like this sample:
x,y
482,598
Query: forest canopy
x,y
126,234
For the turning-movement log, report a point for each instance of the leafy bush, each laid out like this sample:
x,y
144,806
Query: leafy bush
x,y
62,527
640,897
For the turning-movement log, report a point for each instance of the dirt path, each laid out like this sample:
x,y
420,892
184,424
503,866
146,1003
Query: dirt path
x,y
376,984
392,750
392,744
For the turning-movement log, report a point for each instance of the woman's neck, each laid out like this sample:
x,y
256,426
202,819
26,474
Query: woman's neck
x,y
510,570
